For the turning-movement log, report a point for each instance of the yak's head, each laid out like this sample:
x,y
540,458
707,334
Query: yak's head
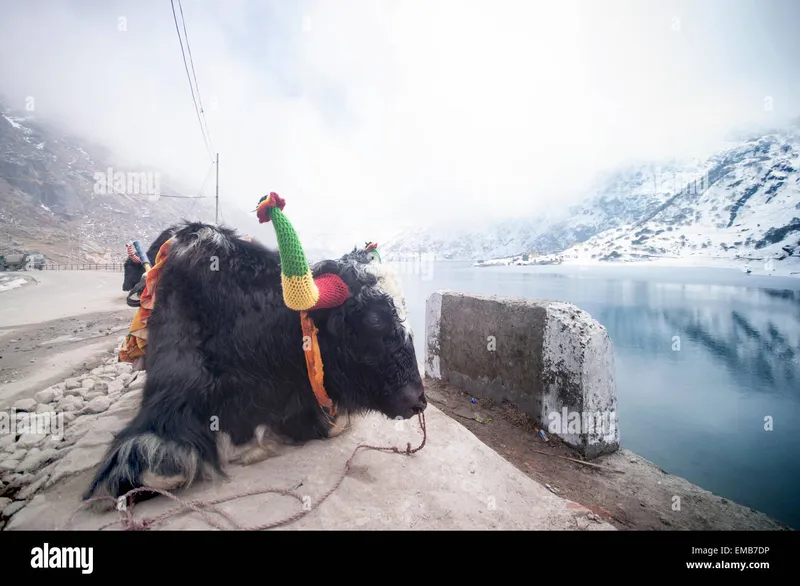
x,y
133,270
356,303
366,343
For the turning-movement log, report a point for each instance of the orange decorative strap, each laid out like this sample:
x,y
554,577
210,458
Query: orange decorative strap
x,y
314,364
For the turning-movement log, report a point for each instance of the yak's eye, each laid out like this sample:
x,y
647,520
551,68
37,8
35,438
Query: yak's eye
x,y
374,319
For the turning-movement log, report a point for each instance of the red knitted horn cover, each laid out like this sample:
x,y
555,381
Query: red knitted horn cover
x,y
332,291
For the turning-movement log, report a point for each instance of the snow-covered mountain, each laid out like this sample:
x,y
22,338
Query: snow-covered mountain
x,y
746,204
744,199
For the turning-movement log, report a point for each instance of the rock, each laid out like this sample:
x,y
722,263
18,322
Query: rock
x,y
92,395
101,387
77,460
114,387
69,417
25,405
62,445
95,437
31,489
46,471
70,403
93,363
4,502
98,405
13,508
137,381
6,440
131,400
85,430
28,440
20,480
8,465
76,392
98,371
80,427
35,459
123,367
45,408
45,396
72,383
110,369
88,384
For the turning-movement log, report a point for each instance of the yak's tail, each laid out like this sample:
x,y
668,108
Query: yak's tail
x,y
145,461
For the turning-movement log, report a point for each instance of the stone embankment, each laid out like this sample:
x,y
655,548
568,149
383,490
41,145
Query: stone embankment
x,y
64,429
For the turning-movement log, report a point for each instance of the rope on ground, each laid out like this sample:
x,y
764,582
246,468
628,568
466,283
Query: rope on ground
x,y
203,508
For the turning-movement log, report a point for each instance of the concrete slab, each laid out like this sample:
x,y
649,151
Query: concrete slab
x,y
550,359
454,482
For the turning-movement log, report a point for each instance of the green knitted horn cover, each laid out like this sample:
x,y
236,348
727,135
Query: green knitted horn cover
x,y
299,290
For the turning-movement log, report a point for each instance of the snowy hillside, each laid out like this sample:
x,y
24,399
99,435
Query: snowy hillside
x,y
52,202
619,198
747,205
743,201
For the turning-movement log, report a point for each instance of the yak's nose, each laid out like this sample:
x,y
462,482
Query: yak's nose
x,y
414,397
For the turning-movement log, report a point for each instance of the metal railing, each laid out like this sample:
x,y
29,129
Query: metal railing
x,y
85,267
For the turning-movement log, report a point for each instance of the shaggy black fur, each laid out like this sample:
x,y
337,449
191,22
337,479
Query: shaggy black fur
x,y
135,271
224,348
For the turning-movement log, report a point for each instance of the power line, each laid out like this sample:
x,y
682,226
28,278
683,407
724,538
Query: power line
x,y
202,187
191,87
191,62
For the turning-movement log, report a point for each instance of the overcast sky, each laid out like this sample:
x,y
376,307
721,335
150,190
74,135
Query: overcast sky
x,y
369,115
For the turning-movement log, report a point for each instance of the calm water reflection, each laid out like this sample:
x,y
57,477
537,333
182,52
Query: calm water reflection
x,y
705,360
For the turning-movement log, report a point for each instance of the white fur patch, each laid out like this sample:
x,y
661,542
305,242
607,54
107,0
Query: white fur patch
x,y
389,283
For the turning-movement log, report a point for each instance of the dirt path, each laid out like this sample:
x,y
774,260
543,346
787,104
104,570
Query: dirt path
x,y
623,488
55,325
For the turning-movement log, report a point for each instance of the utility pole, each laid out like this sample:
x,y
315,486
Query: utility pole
x,y
216,217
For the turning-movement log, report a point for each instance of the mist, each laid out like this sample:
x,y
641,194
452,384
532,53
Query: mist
x,y
369,116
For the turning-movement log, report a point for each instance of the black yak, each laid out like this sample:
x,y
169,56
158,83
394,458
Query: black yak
x,y
227,372
133,268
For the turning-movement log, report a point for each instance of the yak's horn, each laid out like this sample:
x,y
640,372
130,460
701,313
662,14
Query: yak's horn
x,y
301,291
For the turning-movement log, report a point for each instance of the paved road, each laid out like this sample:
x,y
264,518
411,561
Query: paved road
x,y
55,324
59,294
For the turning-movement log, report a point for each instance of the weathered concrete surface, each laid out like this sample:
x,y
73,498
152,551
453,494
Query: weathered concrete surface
x,y
550,359
454,482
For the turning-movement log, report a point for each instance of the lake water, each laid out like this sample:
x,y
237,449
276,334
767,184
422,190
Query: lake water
x,y
721,407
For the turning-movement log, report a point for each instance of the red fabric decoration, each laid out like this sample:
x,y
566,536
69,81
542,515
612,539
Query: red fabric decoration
x,y
273,200
332,291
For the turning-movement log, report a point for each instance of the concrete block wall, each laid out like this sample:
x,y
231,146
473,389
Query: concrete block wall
x,y
550,359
